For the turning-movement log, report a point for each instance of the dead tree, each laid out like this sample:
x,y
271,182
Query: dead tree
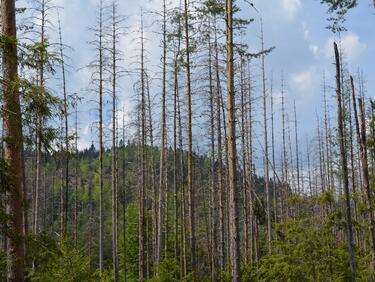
x,y
344,165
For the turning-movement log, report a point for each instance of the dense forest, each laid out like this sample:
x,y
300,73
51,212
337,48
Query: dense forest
x,y
203,174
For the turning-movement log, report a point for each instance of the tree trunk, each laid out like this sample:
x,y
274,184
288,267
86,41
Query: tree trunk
x,y
221,244
101,148
361,135
344,165
232,154
13,142
141,219
190,147
266,162
114,151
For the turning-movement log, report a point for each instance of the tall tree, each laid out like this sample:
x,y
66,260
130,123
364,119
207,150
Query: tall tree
x,y
65,116
232,154
344,165
114,183
361,137
190,144
265,132
13,142
162,178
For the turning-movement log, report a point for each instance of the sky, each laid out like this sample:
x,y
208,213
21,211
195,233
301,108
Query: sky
x,y
297,28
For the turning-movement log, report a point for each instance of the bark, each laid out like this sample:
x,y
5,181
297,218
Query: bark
x,y
212,221
141,219
344,165
221,243
232,154
13,142
162,178
114,149
273,157
190,146
266,162
101,147
361,135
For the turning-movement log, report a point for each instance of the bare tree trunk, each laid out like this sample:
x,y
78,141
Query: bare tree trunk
x,y
284,192
101,147
13,142
141,220
232,154
66,129
190,147
221,244
162,180
266,162
114,151
175,157
123,197
212,221
361,135
182,187
297,151
344,165
76,178
273,157
245,165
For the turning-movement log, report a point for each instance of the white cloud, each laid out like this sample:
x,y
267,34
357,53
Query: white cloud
x,y
303,86
314,49
305,30
351,45
291,7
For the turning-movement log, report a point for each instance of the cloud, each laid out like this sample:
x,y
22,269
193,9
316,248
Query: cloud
x,y
305,30
314,49
351,45
291,7
303,85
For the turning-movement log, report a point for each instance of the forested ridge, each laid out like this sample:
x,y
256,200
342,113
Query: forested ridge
x,y
197,168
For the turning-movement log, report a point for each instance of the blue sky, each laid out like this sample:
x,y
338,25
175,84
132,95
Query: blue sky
x,y
295,27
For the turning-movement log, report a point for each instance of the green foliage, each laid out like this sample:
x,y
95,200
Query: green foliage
x,y
339,9
304,251
169,271
58,262
3,266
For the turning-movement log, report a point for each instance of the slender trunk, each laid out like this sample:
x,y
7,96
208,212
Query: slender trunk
x,y
361,135
297,151
123,197
221,244
76,179
182,187
141,219
284,210
190,147
114,151
212,211
101,148
66,129
233,194
344,165
162,180
244,160
175,156
266,162
273,157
